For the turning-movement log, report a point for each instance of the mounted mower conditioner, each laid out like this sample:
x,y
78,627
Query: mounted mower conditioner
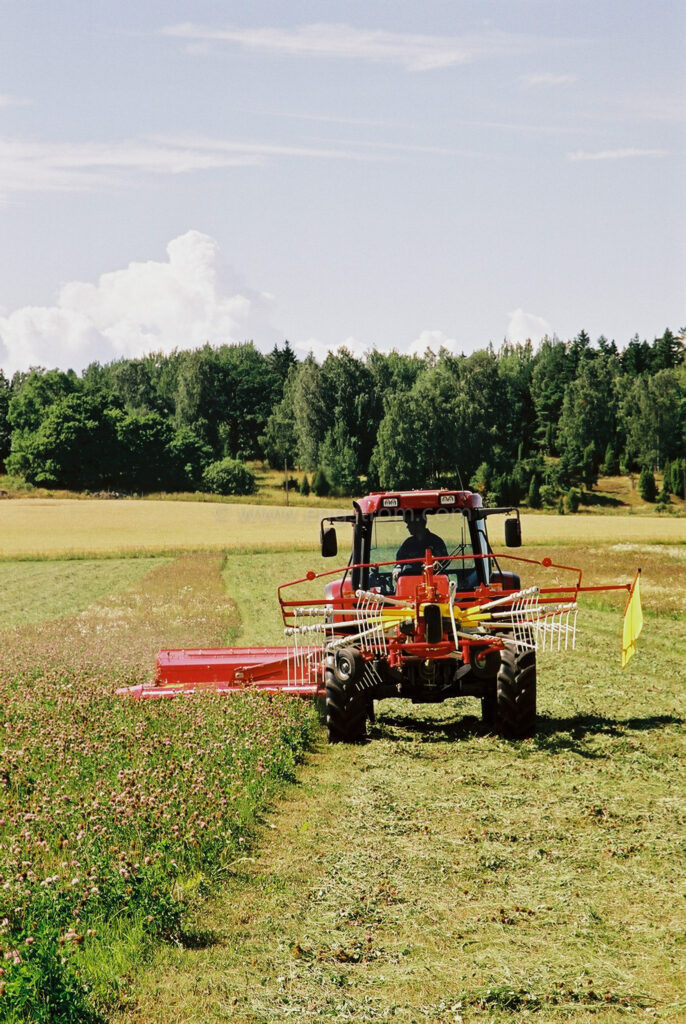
x,y
422,610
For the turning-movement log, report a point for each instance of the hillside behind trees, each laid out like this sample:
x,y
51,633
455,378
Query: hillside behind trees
x,y
519,423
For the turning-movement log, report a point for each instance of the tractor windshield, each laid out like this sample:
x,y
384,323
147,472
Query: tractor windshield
x,y
391,541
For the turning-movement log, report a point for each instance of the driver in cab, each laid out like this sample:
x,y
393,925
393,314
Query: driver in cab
x,y
416,544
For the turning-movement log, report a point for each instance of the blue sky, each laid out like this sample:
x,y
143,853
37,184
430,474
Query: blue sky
x,y
382,174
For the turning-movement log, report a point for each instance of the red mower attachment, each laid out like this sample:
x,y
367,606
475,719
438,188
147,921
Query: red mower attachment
x,y
225,670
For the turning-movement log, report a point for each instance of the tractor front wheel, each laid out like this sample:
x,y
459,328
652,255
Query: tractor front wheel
x,y
516,694
346,710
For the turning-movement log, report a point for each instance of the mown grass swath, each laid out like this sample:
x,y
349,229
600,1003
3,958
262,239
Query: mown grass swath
x,y
108,808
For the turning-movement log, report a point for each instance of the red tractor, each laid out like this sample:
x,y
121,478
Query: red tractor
x,y
422,610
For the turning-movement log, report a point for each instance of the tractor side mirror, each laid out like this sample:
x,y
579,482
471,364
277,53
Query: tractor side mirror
x,y
513,533
329,541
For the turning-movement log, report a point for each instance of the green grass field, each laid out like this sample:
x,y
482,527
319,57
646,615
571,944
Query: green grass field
x,y
435,874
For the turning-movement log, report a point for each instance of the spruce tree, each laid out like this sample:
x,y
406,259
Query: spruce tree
x,y
646,485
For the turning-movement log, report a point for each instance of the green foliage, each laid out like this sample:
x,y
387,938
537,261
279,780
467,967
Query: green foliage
x,y
279,441
655,413
338,461
229,476
482,480
143,440
320,484
676,477
5,428
646,485
73,447
311,417
534,497
551,373
188,456
399,421
400,458
610,463
572,499
33,393
305,485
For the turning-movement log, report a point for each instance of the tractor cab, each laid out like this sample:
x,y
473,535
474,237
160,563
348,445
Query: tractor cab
x,y
393,531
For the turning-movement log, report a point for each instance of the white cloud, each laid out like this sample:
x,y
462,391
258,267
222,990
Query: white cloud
x,y
74,167
6,100
414,52
428,339
616,154
434,340
657,106
321,349
152,306
546,80
526,327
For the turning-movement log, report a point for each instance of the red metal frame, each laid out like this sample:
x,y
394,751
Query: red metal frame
x,y
287,669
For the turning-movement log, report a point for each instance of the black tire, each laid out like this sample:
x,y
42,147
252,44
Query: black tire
x,y
516,694
485,668
346,710
489,705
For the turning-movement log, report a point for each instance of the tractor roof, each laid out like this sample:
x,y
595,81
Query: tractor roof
x,y
385,501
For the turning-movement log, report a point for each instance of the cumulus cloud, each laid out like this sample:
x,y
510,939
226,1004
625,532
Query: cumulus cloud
x,y
181,302
526,327
412,51
321,349
428,339
434,340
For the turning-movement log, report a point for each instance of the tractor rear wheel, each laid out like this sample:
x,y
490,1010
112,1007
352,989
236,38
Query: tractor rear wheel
x,y
485,668
489,705
516,694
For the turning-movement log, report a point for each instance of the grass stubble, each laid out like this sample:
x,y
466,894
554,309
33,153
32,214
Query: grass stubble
x,y
434,874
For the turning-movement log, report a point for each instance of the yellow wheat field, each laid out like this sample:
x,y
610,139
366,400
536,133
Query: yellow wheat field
x,y
53,528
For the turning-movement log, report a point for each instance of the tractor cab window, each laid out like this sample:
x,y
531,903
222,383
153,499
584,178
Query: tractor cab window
x,y
392,539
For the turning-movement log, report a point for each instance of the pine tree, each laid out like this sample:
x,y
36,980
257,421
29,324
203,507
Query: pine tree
x,y
320,484
646,485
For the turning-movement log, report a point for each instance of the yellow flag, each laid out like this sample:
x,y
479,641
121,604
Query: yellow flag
x,y
633,621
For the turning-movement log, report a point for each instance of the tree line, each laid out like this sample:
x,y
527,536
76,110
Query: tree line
x,y
518,423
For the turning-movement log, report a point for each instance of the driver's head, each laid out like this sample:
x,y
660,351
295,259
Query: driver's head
x,y
415,521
